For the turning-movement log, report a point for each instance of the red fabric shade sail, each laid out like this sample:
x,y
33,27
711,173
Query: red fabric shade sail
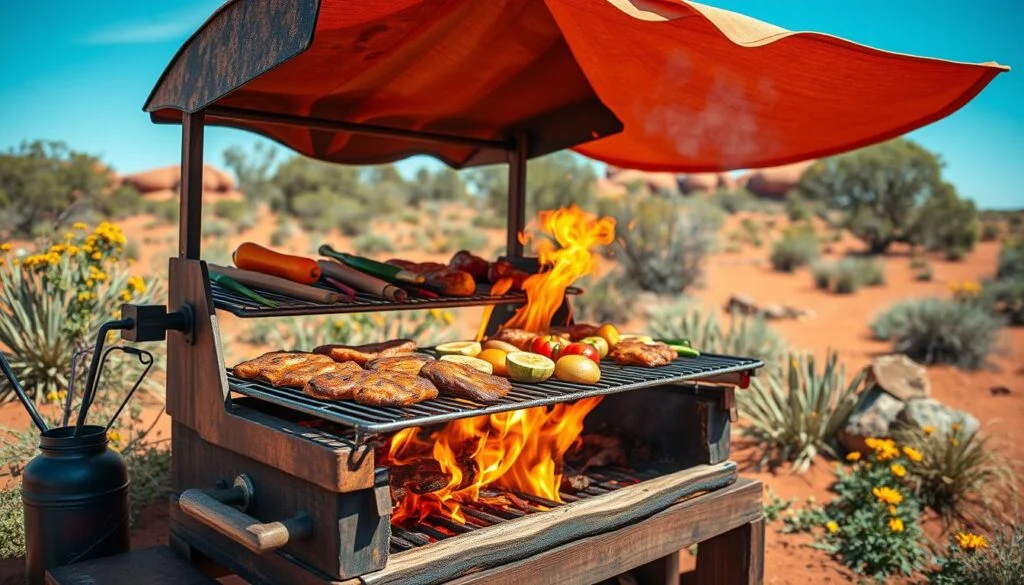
x,y
656,85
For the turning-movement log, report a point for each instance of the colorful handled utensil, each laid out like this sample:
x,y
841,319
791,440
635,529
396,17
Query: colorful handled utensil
x,y
233,285
388,272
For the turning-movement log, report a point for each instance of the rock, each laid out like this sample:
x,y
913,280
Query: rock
x,y
653,181
742,304
776,312
1000,391
921,412
699,183
774,182
167,179
607,188
874,416
900,376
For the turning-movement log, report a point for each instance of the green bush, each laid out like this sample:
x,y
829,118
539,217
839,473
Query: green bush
x,y
372,244
846,280
665,242
949,224
165,211
794,417
215,229
410,216
990,231
924,273
933,331
823,272
1006,298
745,336
973,559
284,232
489,220
323,211
733,201
233,211
797,208
1011,260
606,300
12,524
796,248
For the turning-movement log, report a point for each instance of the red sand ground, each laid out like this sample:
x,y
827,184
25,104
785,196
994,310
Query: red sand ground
x,y
840,323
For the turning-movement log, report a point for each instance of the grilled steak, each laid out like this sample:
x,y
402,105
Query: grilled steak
x,y
638,353
404,364
464,381
576,332
517,337
333,385
285,368
374,388
440,277
364,353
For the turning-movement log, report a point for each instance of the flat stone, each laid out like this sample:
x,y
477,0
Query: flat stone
x,y
900,376
743,304
922,412
874,416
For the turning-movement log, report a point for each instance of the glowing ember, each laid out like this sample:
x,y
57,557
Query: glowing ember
x,y
520,451
576,233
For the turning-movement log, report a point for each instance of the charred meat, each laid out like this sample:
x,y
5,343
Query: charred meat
x,y
361,354
334,385
285,368
517,337
465,382
440,277
576,332
373,388
638,353
404,364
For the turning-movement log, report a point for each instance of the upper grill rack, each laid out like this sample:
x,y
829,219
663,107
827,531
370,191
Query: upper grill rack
x,y
241,306
375,419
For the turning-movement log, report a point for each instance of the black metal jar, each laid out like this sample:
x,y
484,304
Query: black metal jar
x,y
75,494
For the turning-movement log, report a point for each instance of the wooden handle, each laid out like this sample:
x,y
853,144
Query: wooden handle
x,y
278,285
254,535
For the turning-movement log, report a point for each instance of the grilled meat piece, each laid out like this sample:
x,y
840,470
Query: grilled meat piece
x,y
373,388
575,483
421,477
517,337
598,451
361,354
285,368
576,332
464,381
391,389
440,277
334,385
404,364
638,353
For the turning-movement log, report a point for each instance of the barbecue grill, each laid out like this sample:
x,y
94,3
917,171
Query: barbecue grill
x,y
282,488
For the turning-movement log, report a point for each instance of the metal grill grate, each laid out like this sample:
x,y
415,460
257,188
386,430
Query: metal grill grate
x,y
433,529
375,419
241,306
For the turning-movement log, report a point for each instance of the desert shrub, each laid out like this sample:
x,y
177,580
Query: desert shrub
x,y
284,231
924,273
973,559
605,300
949,224
233,211
797,208
12,524
733,201
215,229
796,248
165,211
960,476
936,331
410,216
372,244
323,211
466,239
848,275
846,279
794,417
52,302
1011,260
665,242
990,231
489,220
744,336
823,272
1006,298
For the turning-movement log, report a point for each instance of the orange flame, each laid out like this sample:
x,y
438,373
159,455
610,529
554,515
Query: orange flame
x,y
520,451
576,232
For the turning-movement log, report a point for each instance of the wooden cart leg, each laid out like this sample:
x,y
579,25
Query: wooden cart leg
x,y
733,558
663,571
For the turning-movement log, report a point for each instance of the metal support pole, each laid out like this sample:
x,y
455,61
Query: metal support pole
x,y
516,197
190,221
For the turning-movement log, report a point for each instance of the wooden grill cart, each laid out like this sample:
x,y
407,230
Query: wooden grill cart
x,y
661,85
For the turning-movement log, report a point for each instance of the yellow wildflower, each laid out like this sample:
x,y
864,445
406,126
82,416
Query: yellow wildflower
x,y
96,256
954,441
928,429
51,396
895,524
832,527
137,284
72,250
99,276
448,317
126,296
898,470
5,247
913,454
79,226
892,510
956,427
89,283
853,456
435,314
969,541
69,236
84,296
114,436
887,495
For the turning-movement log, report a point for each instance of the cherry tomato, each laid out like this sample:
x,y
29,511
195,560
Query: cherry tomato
x,y
548,346
584,349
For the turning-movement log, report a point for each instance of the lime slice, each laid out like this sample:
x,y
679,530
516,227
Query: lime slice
x,y
528,367
476,364
470,348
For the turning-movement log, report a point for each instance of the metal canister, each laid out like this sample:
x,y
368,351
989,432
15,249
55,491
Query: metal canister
x,y
75,494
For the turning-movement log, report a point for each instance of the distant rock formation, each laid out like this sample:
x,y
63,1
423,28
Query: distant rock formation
x,y
623,178
774,182
158,183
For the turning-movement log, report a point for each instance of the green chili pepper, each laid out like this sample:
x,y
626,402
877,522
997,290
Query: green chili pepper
x,y
685,350
233,285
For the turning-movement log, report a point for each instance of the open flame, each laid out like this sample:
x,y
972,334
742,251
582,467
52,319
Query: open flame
x,y
520,451
576,232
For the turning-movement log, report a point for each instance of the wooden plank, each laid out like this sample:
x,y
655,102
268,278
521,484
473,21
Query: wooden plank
x,y
590,560
733,558
152,566
501,544
190,216
197,389
516,197
663,571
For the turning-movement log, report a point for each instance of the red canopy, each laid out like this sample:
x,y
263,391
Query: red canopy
x,y
649,84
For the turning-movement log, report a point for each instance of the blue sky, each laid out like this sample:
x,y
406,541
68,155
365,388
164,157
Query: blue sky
x,y
79,71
